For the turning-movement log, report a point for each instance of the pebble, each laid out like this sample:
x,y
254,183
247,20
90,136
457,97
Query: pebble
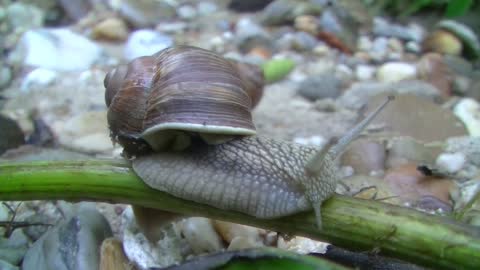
x,y
469,39
299,41
13,248
248,34
201,235
113,29
145,254
364,43
145,42
396,71
72,244
86,132
7,266
112,256
364,72
468,110
58,50
413,47
450,162
186,12
379,49
307,23
24,16
302,245
431,68
144,13
241,234
206,8
5,76
444,42
38,78
319,87
382,27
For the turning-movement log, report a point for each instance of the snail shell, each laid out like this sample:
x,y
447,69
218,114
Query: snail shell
x,y
178,92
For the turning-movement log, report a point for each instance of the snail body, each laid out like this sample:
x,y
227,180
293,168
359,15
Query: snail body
x,y
237,170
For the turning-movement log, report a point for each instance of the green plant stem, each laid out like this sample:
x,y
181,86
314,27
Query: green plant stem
x,y
355,224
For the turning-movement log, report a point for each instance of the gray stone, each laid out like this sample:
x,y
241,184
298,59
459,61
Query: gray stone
x,y
57,49
359,93
13,249
458,65
379,49
7,266
382,27
24,16
144,13
187,12
249,34
206,8
73,244
299,41
284,11
319,87
5,76
145,42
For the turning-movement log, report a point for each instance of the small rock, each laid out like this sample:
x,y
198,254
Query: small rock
x,y
307,23
206,8
112,256
299,41
201,235
241,242
450,163
86,132
113,29
458,65
444,42
468,110
379,49
187,12
38,78
72,244
248,35
364,72
364,44
319,87
302,245
144,43
5,76
361,92
145,254
75,10
472,90
248,5
24,16
382,27
7,266
144,13
13,248
57,49
413,47
230,231
396,71
431,68
404,150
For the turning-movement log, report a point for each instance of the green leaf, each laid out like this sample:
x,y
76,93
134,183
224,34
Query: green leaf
x,y
457,8
277,69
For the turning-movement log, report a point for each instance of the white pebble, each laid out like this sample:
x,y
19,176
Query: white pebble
x,y
145,42
313,140
364,72
396,71
451,162
39,77
468,110
201,235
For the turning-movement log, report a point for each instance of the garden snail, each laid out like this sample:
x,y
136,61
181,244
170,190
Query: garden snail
x,y
151,99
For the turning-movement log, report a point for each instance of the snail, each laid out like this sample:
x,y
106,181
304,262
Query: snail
x,y
192,107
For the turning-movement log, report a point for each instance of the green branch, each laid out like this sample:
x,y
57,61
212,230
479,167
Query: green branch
x,y
355,224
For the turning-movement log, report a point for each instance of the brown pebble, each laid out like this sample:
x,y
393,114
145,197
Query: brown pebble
x,y
112,256
113,29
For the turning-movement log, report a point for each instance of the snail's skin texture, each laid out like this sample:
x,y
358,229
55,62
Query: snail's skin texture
x,y
255,175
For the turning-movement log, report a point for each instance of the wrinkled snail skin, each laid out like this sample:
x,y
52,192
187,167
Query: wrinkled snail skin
x,y
255,175
192,107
